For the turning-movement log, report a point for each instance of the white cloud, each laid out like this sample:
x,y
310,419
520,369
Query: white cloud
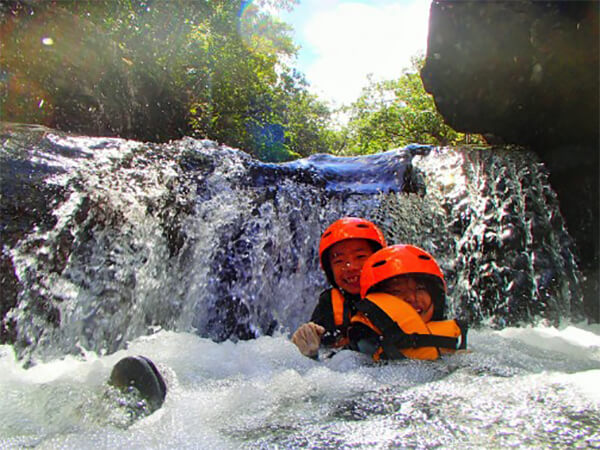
x,y
351,40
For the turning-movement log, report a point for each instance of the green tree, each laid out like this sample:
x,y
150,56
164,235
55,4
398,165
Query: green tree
x,y
394,113
159,69
253,99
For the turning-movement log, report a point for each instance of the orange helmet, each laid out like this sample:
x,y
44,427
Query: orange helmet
x,y
347,228
404,260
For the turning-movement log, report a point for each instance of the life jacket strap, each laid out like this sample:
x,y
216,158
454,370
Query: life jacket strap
x,y
341,320
415,340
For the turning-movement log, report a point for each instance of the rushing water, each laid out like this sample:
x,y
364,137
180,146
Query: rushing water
x,y
534,387
205,260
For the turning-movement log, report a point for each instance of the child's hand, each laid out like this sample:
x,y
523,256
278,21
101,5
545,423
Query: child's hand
x,y
308,338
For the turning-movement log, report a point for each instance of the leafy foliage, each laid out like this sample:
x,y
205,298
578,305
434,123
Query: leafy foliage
x,y
218,69
393,113
158,69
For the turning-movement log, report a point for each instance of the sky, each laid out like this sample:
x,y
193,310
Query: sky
x,y
342,41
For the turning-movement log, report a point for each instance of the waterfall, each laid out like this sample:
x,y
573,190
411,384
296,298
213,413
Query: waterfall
x,y
184,251
493,219
105,240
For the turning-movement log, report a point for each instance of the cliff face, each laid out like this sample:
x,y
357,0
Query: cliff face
x,y
527,72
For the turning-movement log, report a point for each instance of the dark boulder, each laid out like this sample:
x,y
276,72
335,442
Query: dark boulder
x,y
523,71
527,72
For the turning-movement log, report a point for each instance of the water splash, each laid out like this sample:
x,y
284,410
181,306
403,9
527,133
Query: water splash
x,y
494,222
512,389
123,239
179,251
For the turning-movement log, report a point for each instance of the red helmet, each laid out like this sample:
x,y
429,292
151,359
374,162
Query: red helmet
x,y
347,228
403,260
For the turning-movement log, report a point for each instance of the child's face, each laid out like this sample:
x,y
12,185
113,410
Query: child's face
x,y
347,258
413,292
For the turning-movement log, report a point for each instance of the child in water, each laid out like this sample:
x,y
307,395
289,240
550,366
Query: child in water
x,y
400,315
344,247
402,311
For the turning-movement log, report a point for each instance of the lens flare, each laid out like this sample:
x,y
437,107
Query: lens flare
x,y
253,27
60,69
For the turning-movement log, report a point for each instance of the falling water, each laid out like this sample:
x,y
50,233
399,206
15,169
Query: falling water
x,y
184,251
494,221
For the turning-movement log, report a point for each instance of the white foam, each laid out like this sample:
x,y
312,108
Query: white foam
x,y
264,393
570,340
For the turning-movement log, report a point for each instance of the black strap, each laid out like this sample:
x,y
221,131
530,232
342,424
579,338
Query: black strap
x,y
346,313
388,327
394,338
425,340
464,328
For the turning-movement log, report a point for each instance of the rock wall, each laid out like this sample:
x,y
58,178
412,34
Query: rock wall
x,y
527,72
523,71
105,239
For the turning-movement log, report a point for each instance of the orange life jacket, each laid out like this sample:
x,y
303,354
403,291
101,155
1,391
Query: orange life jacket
x,y
402,331
341,316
